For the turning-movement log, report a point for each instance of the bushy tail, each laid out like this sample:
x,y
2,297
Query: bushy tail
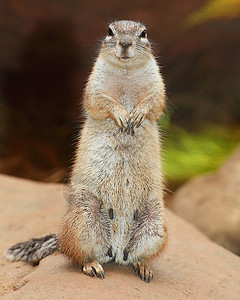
x,y
34,250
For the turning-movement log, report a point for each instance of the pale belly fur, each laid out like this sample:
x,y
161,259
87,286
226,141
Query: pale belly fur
x,y
123,172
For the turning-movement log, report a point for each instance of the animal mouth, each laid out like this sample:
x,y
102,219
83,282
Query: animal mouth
x,y
125,57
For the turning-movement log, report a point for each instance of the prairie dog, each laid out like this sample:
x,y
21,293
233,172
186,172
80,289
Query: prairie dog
x,y
115,211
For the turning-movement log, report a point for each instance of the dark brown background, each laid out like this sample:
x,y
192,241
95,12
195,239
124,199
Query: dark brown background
x,y
47,51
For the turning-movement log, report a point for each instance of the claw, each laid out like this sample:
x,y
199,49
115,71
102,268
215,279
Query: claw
x,y
132,131
122,126
101,275
93,269
87,274
129,120
136,268
143,270
140,121
135,121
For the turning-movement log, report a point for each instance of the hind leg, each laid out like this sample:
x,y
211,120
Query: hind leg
x,y
148,239
93,268
84,235
143,270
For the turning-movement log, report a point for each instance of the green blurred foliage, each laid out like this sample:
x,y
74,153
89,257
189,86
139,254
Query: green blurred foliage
x,y
188,154
215,9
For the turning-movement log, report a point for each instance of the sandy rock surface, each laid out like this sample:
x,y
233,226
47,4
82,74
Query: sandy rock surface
x,y
212,203
192,267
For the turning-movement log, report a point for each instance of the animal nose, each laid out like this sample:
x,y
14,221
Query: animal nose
x,y
125,44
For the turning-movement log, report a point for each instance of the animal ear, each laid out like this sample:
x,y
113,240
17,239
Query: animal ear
x,y
110,32
143,34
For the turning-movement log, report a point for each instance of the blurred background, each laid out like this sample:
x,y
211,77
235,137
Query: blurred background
x,y
47,52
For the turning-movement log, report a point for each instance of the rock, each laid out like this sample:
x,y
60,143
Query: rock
x,y
212,203
192,267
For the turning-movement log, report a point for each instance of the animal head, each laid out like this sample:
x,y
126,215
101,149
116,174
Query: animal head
x,y
127,41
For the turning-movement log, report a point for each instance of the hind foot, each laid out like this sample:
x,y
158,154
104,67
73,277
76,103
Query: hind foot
x,y
144,271
93,268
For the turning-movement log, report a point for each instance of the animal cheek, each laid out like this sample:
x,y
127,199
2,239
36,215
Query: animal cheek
x,y
131,51
118,50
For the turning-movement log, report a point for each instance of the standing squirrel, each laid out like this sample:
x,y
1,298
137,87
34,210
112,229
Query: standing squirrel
x,y
115,211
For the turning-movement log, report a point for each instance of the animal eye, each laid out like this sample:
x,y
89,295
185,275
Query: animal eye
x,y
143,34
110,32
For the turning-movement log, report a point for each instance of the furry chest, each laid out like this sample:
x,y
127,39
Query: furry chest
x,y
127,90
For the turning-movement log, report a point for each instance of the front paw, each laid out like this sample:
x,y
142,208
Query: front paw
x,y
121,118
136,118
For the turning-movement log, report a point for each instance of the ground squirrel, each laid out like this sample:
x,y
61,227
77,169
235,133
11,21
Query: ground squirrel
x,y
115,211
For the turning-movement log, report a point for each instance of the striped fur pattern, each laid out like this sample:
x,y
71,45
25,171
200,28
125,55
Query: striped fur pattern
x,y
33,250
